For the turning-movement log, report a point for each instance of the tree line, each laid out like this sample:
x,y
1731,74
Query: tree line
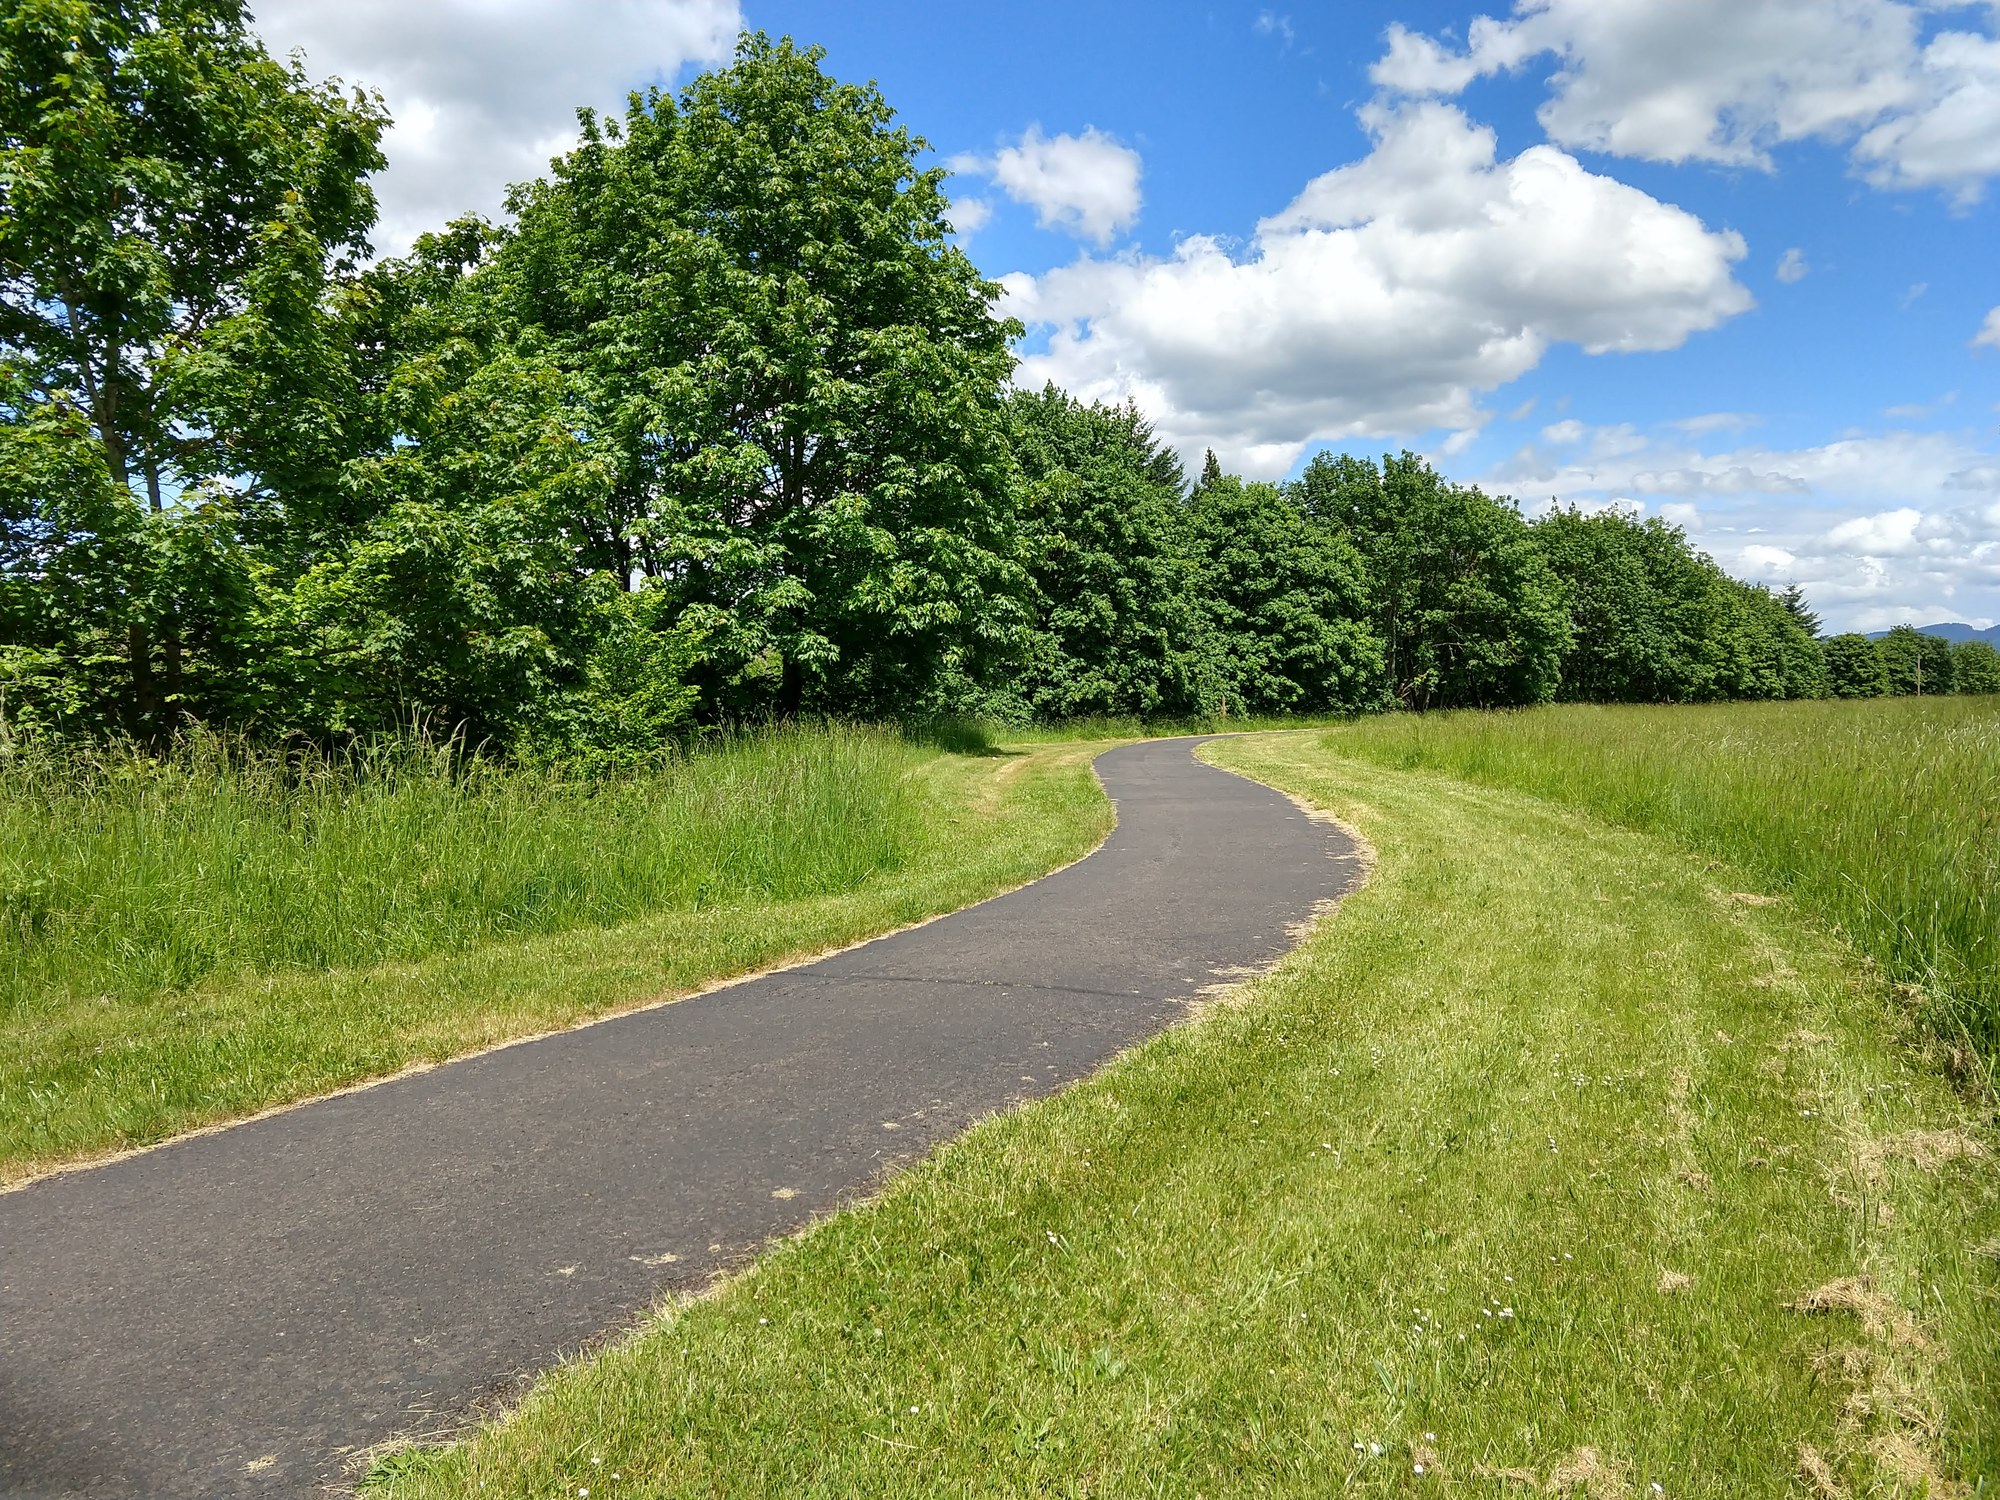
x,y
717,426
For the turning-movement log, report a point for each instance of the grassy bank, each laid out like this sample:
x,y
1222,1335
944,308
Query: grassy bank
x,y
194,940
1549,1162
1882,816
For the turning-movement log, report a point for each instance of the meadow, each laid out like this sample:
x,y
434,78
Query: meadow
x,y
193,937
1880,816
1560,1159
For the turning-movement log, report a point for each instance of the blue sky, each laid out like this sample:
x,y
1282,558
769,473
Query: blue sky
x,y
1728,261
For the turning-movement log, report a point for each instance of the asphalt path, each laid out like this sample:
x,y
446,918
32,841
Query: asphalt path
x,y
245,1312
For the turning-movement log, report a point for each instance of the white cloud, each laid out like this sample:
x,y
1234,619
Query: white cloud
x,y
1569,430
970,215
1085,185
1792,267
484,92
1951,137
1760,562
1989,331
1886,533
1726,80
1384,298
1877,529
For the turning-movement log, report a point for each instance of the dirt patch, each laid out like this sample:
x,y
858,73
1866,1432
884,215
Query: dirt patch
x,y
1672,1282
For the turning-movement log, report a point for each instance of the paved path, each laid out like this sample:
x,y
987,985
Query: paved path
x,y
240,1312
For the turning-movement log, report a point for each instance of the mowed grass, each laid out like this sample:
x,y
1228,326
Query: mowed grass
x,y
191,941
1881,816
1546,1164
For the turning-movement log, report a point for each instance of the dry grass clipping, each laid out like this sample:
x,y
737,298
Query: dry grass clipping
x,y
1674,1281
1927,1150
1589,1471
1585,1472
1908,1464
1882,1317
1818,1473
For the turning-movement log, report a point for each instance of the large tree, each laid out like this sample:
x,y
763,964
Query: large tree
x,y
174,206
1285,606
1916,662
1468,612
1111,591
796,378
1655,621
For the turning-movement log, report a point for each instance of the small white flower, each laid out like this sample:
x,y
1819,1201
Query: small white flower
x,y
913,1411
1430,1437
763,1322
1418,1468
1374,1450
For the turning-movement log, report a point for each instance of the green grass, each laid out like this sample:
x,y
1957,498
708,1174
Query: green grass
x,y
1883,817
1422,1196
194,940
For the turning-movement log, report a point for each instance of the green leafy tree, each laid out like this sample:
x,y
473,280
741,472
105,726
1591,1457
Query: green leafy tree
x,y
1854,667
794,377
1467,610
174,206
1111,591
1285,606
462,587
1916,663
1975,667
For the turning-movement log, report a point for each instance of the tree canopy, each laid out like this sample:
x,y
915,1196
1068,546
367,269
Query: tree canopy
x,y
716,424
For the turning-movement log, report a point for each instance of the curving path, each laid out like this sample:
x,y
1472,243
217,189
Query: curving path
x,y
241,1313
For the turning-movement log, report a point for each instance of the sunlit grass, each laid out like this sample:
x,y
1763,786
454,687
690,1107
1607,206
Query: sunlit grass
x,y
125,876
1882,816
1544,1166
196,939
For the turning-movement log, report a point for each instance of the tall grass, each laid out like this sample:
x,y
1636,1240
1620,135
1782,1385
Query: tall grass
x,y
1882,816
125,876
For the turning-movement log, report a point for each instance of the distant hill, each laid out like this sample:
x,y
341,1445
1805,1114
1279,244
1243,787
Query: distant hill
x,y
1953,631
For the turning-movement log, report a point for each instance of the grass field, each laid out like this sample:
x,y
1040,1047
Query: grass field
x,y
1881,816
1560,1160
194,940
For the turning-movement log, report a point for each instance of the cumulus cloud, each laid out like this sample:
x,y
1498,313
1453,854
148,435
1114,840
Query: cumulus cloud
x,y
1085,185
1951,137
1989,331
1384,298
484,92
1724,81
970,215
1792,267
1878,529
